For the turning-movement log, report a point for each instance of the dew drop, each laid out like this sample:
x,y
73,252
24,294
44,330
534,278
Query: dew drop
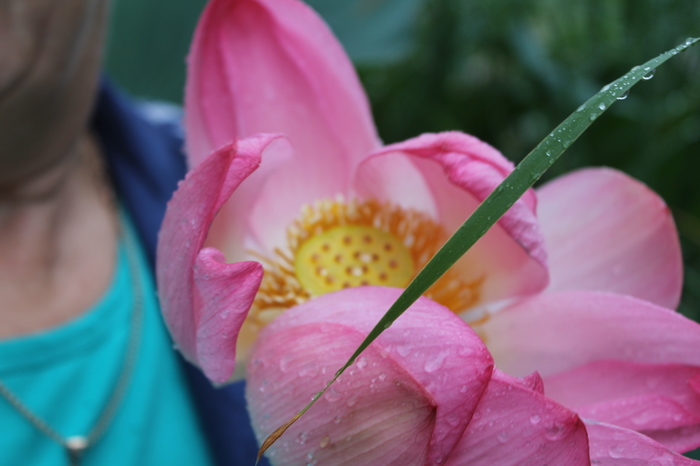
x,y
554,432
548,153
362,362
650,74
302,438
624,95
433,364
324,442
601,106
535,419
502,437
332,395
616,451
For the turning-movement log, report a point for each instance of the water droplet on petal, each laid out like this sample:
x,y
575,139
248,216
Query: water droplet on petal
x,y
362,362
303,437
324,442
535,419
554,432
616,451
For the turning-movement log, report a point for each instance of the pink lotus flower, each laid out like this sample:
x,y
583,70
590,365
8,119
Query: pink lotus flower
x,y
327,208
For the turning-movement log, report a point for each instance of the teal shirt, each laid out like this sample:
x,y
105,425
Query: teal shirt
x,y
66,375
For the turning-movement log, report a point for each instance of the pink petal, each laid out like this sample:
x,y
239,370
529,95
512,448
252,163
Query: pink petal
x,y
274,66
616,358
431,345
511,258
532,382
515,426
608,232
196,287
615,446
652,399
376,414
554,332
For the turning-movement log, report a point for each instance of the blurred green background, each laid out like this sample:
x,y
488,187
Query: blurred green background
x,y
507,71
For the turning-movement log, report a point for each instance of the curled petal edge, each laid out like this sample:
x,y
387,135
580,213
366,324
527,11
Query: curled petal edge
x,y
192,282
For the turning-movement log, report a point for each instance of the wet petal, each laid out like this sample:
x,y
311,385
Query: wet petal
x,y
613,358
605,231
514,425
432,346
615,446
554,332
195,285
655,399
448,175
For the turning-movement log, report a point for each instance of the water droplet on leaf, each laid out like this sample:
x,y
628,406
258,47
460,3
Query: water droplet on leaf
x,y
624,95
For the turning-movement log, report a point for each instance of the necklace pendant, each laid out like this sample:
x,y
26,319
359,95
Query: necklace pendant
x,y
75,447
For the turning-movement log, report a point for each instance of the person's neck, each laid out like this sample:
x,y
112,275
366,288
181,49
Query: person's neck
x,y
58,235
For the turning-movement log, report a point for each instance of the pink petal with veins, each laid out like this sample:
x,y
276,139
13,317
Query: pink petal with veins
x,y
615,358
448,175
615,446
605,231
433,348
514,425
274,66
196,287
649,398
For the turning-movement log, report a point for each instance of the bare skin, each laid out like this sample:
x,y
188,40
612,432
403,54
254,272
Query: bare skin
x,y
58,228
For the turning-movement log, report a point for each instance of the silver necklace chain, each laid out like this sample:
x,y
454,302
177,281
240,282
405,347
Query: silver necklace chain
x,y
76,445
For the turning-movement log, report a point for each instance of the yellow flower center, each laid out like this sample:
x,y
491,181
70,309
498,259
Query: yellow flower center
x,y
337,244
352,255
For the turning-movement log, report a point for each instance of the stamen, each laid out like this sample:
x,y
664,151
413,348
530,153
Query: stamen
x,y
337,244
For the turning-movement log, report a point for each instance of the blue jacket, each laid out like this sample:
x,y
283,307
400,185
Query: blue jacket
x,y
145,161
